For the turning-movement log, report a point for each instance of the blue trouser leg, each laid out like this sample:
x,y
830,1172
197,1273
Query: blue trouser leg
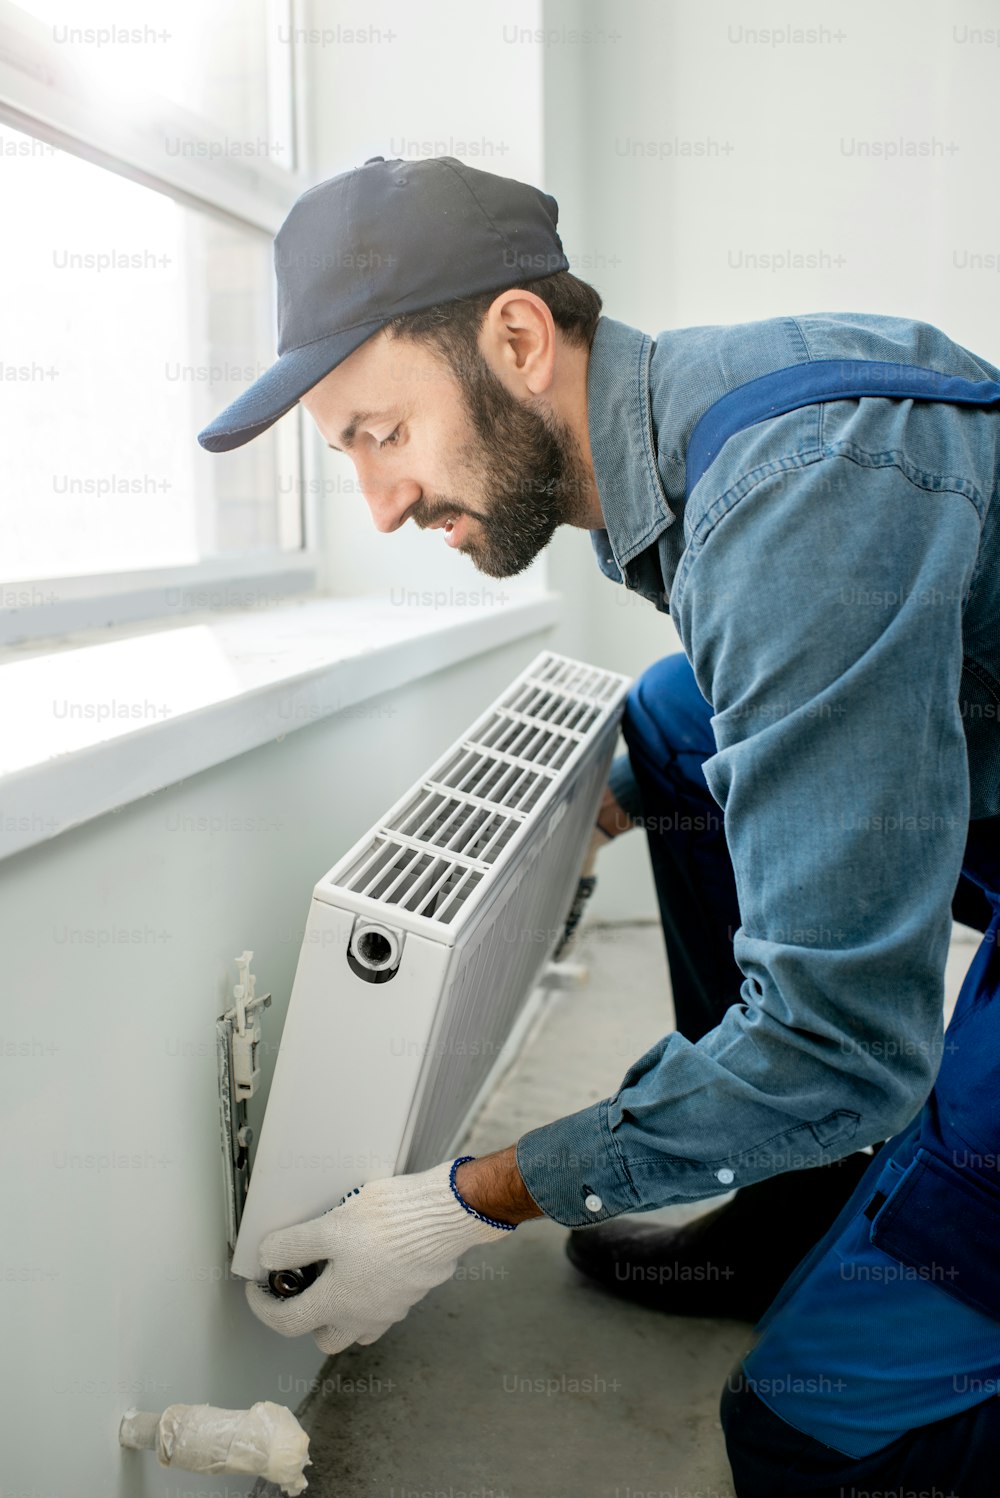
x,y
667,728
953,1458
926,1335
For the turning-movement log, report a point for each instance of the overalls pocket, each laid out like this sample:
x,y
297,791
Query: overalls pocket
x,y
946,1227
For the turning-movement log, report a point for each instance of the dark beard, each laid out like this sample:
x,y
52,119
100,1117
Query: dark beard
x,y
527,464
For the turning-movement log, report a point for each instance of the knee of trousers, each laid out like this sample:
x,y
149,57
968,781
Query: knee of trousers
x,y
666,720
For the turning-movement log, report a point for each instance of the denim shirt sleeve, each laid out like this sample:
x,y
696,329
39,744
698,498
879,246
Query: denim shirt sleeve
x,y
821,607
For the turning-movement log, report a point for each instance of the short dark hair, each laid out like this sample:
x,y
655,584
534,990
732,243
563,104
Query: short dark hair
x,y
454,326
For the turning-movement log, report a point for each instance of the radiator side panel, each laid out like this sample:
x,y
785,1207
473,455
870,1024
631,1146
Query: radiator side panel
x,y
350,1057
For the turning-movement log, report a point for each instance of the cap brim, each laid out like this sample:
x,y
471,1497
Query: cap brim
x,y
281,387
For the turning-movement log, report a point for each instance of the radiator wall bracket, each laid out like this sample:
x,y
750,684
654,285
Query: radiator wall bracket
x,y
238,1036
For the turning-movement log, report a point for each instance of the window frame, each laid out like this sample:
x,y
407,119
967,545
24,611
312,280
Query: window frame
x,y
45,95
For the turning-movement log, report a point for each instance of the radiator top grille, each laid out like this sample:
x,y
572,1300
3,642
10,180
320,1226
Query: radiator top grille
x,y
431,854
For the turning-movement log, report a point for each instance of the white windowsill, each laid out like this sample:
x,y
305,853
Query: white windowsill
x,y
99,721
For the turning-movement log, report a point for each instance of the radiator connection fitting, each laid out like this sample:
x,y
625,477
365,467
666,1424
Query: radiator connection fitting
x,y
374,951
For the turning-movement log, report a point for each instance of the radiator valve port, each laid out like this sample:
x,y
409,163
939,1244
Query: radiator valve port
x,y
374,951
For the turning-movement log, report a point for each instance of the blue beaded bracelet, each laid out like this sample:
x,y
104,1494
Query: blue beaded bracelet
x,y
492,1222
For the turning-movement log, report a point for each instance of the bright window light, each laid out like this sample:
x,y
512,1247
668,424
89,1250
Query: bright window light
x,y
129,322
214,59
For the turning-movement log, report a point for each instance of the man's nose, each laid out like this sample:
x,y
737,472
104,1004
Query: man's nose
x,y
389,502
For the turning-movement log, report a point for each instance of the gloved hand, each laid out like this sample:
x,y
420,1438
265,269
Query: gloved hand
x,y
387,1243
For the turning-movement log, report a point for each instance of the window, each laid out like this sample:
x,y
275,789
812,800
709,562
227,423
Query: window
x,y
148,157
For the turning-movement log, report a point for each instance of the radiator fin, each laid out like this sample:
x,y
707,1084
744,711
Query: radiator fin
x,y
457,824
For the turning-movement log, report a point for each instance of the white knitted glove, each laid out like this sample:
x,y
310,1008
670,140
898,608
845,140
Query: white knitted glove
x,y
387,1243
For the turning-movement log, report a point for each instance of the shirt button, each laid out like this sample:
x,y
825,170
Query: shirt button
x,y
593,1203
725,1175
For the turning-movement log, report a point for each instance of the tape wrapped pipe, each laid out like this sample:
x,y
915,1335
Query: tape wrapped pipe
x,y
263,1441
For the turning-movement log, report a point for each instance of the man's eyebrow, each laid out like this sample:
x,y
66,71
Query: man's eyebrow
x,y
349,433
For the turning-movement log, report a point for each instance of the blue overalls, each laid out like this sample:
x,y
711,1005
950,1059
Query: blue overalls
x,y
879,1361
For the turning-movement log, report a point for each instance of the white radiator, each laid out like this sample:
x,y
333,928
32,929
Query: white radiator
x,y
423,944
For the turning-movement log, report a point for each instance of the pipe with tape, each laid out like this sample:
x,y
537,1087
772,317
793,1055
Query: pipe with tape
x,y
263,1441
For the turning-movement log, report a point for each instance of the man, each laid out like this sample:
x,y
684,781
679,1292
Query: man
x,y
818,777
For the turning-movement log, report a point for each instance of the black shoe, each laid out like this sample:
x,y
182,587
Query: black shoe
x,y
730,1262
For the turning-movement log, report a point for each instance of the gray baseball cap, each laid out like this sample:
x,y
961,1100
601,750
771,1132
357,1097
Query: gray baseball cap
x,y
386,238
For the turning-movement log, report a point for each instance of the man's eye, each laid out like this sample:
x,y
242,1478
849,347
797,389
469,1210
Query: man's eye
x,y
390,440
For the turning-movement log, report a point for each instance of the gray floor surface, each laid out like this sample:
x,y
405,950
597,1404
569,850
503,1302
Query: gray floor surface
x,y
518,1379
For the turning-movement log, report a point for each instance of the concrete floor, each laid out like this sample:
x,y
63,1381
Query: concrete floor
x,y
518,1379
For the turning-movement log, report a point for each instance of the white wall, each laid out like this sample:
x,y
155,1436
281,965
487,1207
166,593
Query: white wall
x,y
117,940
667,237
790,123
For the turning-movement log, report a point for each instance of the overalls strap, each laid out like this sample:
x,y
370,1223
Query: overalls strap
x,y
823,380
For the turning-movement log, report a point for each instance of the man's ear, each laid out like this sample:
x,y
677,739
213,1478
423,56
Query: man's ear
x,y
518,341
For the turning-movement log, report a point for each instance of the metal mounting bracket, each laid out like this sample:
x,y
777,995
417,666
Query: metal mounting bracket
x,y
238,1035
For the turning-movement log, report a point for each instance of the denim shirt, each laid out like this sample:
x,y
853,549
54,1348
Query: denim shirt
x,y
835,580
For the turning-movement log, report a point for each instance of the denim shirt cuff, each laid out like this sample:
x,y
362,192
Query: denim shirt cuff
x,y
572,1162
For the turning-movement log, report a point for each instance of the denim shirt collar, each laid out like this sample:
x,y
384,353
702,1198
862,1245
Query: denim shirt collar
x,y
623,447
